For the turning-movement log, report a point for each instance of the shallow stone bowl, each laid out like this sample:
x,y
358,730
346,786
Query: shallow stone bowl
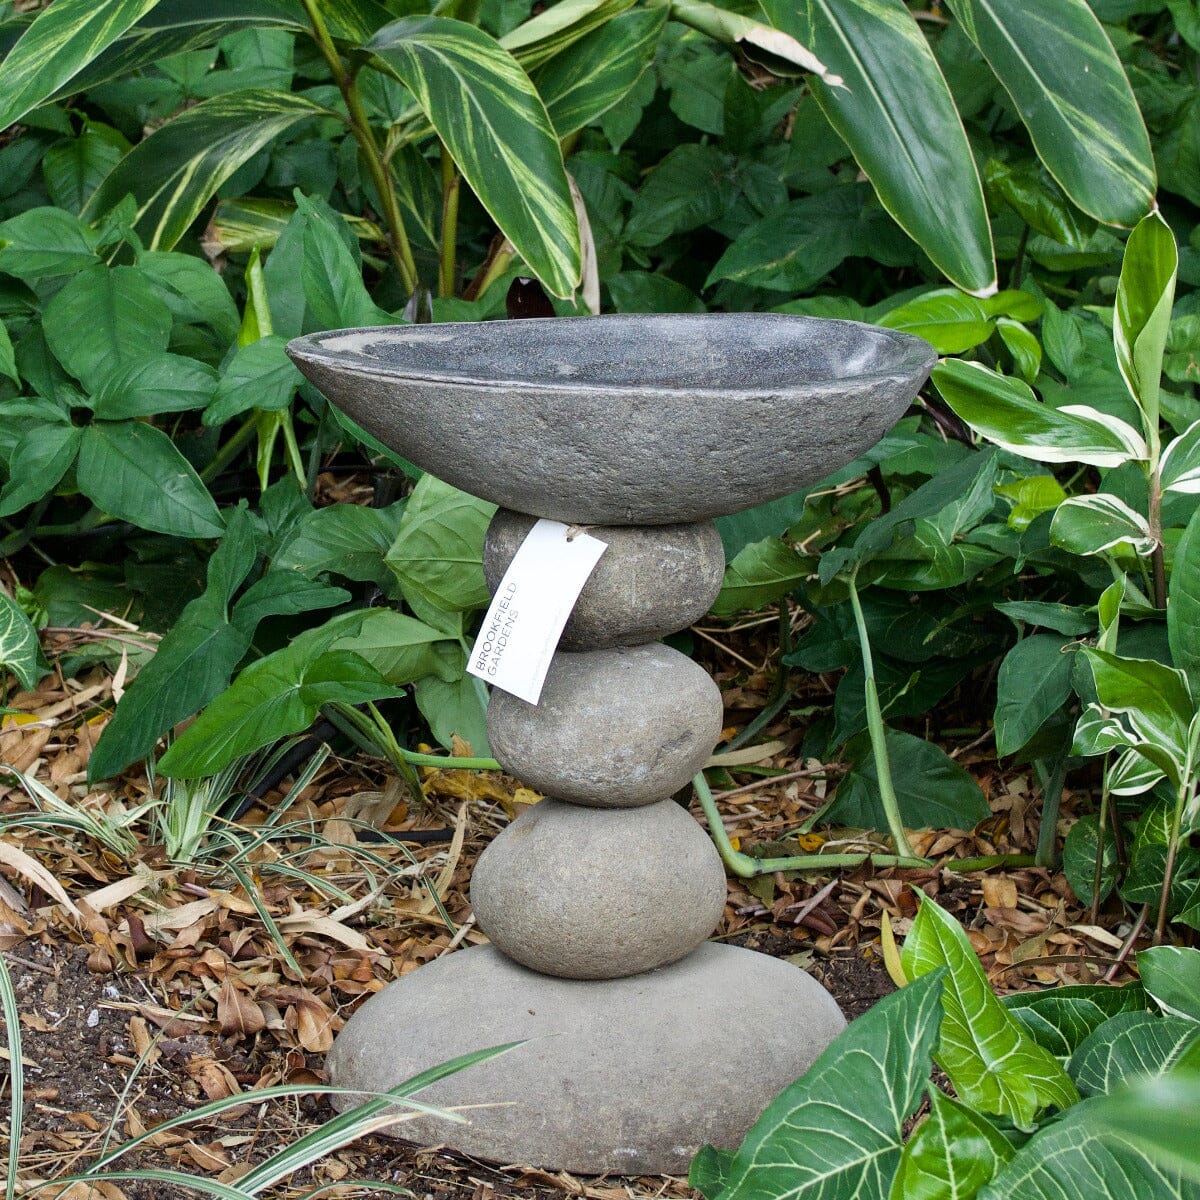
x,y
623,420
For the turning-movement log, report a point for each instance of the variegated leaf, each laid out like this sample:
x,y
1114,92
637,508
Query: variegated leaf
x,y
1005,411
1098,732
175,172
57,46
1132,774
899,119
19,649
490,117
1094,524
1179,467
551,31
1066,81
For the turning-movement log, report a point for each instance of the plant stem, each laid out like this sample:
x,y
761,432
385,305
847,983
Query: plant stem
x,y
878,732
1164,897
746,866
360,127
1156,555
1101,832
1052,791
450,193
496,265
228,452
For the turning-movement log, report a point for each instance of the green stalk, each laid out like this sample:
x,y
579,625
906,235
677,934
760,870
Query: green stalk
x,y
292,448
230,450
746,866
1101,833
878,733
1052,790
1164,896
360,127
451,190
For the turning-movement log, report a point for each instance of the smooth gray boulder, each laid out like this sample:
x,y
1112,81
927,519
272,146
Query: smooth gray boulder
x,y
627,1075
651,581
612,729
595,893
627,419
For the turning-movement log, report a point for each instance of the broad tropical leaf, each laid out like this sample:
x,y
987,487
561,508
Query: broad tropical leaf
x,y
57,46
1154,698
951,1155
993,1065
558,27
1158,1116
588,78
1132,1045
1095,523
1183,605
20,651
175,172
1145,294
1179,468
1004,411
1171,974
948,320
897,116
839,1129
1066,81
490,117
1061,1018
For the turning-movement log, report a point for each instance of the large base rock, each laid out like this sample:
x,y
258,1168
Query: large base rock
x,y
630,1076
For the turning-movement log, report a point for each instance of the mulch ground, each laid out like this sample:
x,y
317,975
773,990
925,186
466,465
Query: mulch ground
x,y
146,989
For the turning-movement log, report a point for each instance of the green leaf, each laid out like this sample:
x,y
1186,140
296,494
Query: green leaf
x,y
1154,698
1079,860
710,1171
20,650
38,463
1145,294
688,188
284,594
403,649
75,169
1078,1158
951,1155
1069,87
1096,523
1130,1046
558,27
1062,618
646,291
438,552
1004,411
159,383
345,539
1158,1117
174,172
105,319
933,790
1032,496
1183,606
492,121
57,46
1171,974
1025,349
260,375
1034,683
1061,1018
1179,468
1033,194
8,361
586,80
760,574
331,274
193,290
839,1129
899,119
133,472
454,709
272,698
991,1062
949,321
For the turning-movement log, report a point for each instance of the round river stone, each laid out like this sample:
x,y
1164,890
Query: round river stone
x,y
595,893
630,1075
613,728
651,581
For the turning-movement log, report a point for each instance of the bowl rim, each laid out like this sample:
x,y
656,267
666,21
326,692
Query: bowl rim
x,y
917,357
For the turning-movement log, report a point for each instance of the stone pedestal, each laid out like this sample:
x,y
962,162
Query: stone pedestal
x,y
640,1040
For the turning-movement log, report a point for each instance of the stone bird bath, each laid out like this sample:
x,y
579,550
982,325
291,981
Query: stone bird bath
x,y
641,1039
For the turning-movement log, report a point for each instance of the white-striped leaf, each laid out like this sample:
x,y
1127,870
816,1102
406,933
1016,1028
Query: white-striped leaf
x,y
551,31
1183,606
1171,974
947,319
588,78
898,118
1179,468
1056,62
487,112
1093,524
1142,317
1155,698
1005,411
175,172
838,1130
1098,732
1132,774
57,46
19,648
992,1063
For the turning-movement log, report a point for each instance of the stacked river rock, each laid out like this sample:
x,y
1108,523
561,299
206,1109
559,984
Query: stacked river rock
x,y
639,1041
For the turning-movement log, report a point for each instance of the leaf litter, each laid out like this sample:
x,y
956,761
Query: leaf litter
x,y
147,989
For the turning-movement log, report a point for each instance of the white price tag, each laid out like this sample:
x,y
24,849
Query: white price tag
x,y
525,620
